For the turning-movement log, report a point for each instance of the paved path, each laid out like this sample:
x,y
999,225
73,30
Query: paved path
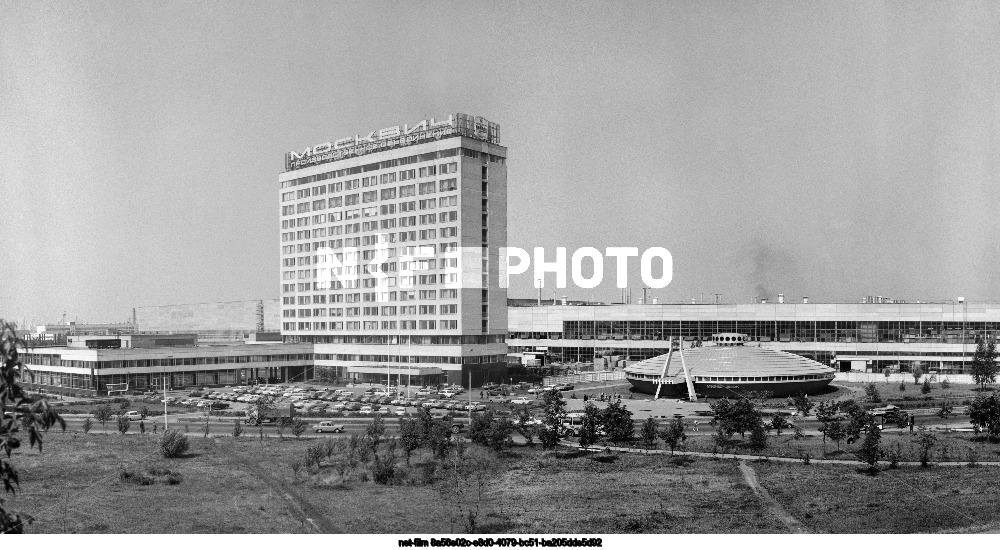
x,y
777,509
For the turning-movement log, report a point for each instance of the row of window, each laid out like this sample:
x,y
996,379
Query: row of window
x,y
423,324
372,212
365,197
385,311
366,240
781,331
404,296
58,361
445,359
393,339
387,164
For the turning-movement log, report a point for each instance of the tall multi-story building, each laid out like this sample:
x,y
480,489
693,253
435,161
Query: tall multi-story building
x,y
389,252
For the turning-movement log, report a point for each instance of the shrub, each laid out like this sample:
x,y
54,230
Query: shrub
x,y
123,424
127,476
237,428
945,384
88,424
926,387
298,426
902,386
173,443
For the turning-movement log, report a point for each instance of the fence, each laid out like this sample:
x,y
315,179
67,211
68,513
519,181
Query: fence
x,y
902,377
597,376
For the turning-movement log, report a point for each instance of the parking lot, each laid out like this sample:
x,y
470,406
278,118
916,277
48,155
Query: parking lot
x,y
315,401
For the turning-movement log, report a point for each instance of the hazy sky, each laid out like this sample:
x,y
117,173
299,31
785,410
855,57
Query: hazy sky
x,y
827,149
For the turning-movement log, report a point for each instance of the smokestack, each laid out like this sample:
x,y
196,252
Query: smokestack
x,y
781,298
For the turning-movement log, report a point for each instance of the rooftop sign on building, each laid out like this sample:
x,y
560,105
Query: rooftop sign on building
x,y
393,137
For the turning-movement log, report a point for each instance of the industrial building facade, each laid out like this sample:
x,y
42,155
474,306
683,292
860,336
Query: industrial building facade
x,y
389,252
95,365
937,337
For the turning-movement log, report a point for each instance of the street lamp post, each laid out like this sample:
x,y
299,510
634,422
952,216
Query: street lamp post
x,y
164,381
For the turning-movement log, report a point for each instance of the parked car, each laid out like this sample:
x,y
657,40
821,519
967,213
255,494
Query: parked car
x,y
520,401
367,409
133,415
400,411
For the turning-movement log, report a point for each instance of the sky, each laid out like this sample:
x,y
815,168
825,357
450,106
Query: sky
x,y
824,149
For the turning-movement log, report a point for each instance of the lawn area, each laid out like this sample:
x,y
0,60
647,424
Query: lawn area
x,y
247,485
906,500
949,446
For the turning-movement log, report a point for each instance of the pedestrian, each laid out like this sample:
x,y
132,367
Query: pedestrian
x,y
154,427
142,427
480,395
911,423
584,398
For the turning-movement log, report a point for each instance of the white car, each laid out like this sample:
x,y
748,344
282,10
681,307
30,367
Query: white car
x,y
133,415
327,426
447,394
366,410
400,411
520,401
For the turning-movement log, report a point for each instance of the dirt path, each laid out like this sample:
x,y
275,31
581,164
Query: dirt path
x,y
779,512
300,506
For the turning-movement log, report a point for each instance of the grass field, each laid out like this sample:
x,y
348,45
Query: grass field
x,y
906,500
950,446
246,485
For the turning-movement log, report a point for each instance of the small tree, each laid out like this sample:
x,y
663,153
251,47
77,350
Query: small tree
x,y
298,426
88,425
778,423
554,415
103,415
835,431
590,425
803,404
826,412
984,413
902,386
926,387
758,439
984,366
886,372
123,424
144,412
945,384
617,423
673,434
926,440
871,451
917,372
647,433
945,411
524,425
872,392
410,436
238,428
